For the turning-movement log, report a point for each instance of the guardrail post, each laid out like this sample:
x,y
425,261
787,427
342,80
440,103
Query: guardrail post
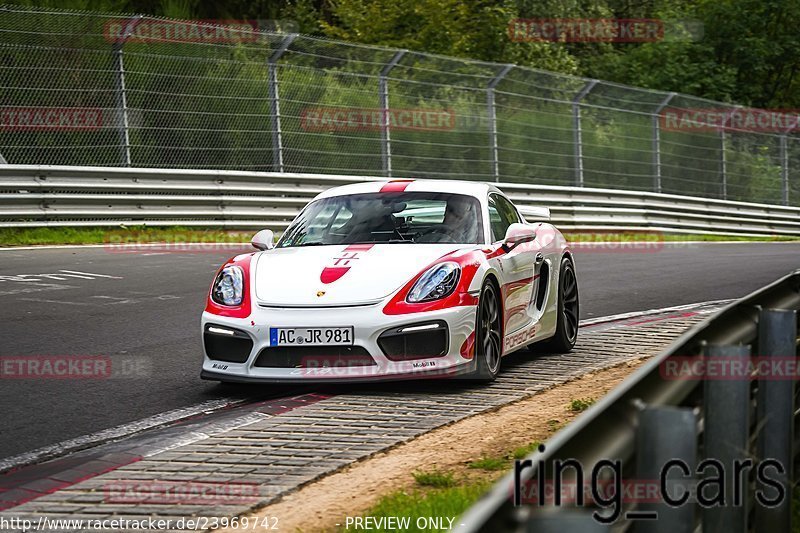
x,y
490,109
726,433
383,102
657,142
784,154
666,434
121,91
777,330
274,102
566,521
577,131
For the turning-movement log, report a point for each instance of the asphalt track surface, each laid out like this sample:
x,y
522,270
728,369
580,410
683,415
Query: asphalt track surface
x,y
145,308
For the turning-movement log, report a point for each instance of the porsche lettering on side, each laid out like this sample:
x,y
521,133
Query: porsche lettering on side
x,y
392,280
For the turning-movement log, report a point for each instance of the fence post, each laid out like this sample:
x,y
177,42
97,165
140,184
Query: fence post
x,y
3,160
723,163
723,159
274,103
657,142
576,125
383,102
726,420
784,168
775,407
121,91
665,434
490,109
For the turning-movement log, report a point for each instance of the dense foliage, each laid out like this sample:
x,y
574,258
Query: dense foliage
x,y
743,51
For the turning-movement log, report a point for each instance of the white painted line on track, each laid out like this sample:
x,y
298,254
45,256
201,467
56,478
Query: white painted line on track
x,y
196,436
657,311
115,433
89,275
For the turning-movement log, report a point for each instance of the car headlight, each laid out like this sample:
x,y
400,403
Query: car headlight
x,y
228,287
437,282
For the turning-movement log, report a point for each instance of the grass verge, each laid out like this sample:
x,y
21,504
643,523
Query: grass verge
x,y
579,405
666,237
143,234
435,479
445,495
117,235
420,510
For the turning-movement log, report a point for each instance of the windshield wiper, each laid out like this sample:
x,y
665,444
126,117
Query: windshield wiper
x,y
390,241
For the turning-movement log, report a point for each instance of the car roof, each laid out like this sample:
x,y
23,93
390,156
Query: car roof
x,y
477,189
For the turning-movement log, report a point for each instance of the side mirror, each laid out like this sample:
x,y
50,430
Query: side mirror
x,y
517,234
264,240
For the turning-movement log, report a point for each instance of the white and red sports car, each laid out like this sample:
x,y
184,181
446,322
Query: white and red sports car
x,y
392,280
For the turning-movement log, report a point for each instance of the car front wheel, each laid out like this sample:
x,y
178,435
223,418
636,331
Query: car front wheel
x,y
488,336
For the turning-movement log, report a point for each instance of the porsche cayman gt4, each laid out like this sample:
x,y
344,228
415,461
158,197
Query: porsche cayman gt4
x,y
393,280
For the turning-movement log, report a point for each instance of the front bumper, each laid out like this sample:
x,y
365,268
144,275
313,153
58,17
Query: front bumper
x,y
369,323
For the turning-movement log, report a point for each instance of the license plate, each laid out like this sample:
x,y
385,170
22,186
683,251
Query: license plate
x,y
311,336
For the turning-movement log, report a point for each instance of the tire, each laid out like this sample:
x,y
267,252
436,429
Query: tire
x,y
488,334
568,312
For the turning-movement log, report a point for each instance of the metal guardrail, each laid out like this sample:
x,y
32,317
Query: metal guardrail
x,y
649,420
34,196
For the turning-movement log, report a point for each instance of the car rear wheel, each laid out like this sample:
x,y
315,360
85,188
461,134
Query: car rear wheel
x,y
568,308
488,336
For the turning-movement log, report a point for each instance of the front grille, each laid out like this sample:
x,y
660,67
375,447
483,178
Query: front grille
x,y
314,357
234,348
400,344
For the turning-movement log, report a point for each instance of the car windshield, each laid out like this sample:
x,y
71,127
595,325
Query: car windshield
x,y
403,217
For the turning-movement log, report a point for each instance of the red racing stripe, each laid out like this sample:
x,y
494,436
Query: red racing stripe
x,y
396,186
31,482
331,274
359,248
341,263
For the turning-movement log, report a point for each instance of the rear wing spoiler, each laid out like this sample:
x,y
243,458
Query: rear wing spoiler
x,y
534,213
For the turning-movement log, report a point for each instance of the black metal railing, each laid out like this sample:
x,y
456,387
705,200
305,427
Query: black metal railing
x,y
711,417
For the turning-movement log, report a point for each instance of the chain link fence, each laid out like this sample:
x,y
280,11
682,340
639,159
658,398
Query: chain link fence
x,y
83,88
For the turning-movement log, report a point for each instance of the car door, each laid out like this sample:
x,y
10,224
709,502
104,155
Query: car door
x,y
518,267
